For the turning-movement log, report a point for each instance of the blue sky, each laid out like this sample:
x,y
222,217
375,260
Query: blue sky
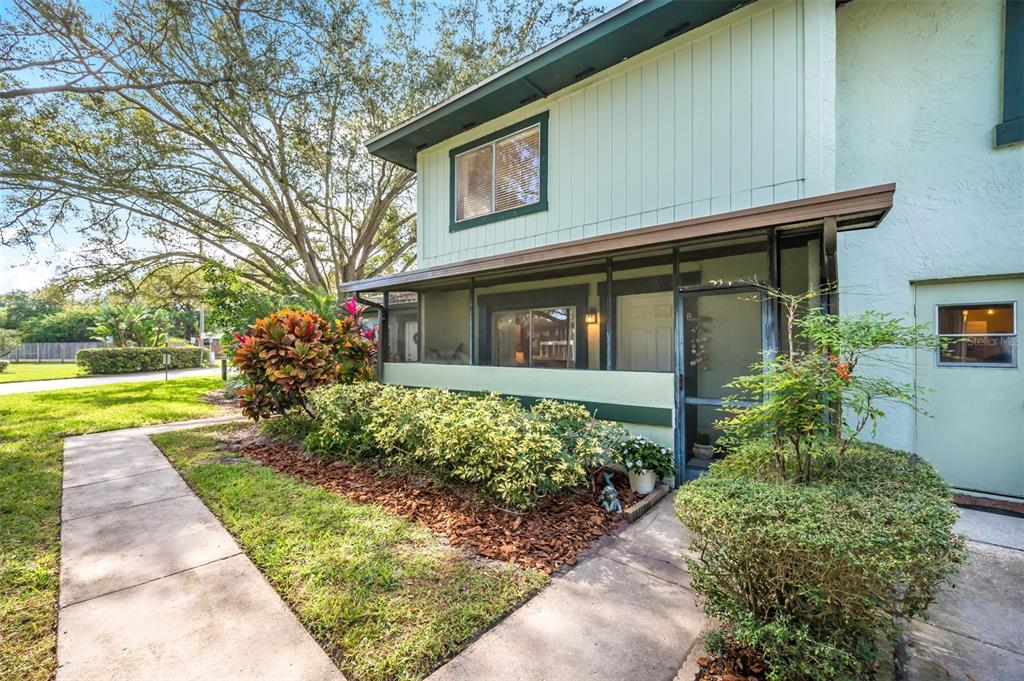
x,y
24,269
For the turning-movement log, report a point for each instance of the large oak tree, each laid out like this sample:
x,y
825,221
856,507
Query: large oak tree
x,y
184,132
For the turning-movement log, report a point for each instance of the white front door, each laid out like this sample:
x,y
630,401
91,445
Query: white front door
x,y
643,324
974,391
412,329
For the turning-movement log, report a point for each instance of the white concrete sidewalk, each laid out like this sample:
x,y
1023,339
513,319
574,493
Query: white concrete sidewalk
x,y
624,613
627,613
85,381
153,587
976,630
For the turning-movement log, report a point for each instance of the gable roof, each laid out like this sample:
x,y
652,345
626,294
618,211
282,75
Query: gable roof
x,y
623,32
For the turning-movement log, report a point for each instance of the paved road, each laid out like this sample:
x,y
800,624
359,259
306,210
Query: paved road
x,y
153,587
84,381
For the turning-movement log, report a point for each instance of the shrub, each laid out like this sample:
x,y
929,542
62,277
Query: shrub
x,y
290,352
129,360
514,455
10,340
813,545
639,454
812,574
816,389
3,365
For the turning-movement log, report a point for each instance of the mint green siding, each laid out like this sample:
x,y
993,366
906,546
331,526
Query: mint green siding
x,y
627,395
919,93
712,121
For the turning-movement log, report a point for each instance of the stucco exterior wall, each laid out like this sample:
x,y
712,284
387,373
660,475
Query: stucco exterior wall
x,y
734,114
918,97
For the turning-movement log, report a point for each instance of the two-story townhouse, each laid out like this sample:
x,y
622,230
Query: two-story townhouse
x,y
591,217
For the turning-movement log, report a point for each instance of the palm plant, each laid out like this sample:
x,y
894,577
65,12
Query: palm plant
x,y
157,325
111,325
126,324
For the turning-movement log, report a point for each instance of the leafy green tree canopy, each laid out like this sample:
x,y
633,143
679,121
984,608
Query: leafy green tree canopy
x,y
188,133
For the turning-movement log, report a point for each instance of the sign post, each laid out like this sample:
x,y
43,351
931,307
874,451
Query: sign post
x,y
167,363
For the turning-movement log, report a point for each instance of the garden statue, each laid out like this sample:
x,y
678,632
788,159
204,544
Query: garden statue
x,y
610,495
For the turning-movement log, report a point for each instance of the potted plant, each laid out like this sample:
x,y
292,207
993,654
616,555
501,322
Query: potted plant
x,y
646,462
702,447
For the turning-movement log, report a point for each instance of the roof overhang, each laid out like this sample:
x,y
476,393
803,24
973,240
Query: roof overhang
x,y
619,34
854,209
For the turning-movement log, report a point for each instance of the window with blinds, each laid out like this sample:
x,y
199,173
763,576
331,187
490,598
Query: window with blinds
x,y
501,175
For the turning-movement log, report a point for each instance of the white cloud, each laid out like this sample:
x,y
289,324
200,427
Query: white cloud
x,y
28,274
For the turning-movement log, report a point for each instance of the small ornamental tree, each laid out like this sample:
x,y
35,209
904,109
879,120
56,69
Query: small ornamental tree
x,y
290,352
809,545
813,393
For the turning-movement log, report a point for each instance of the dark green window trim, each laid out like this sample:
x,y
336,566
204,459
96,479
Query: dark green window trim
x,y
541,205
559,296
1011,130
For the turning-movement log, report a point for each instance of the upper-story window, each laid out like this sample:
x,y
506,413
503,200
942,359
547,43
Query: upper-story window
x,y
500,176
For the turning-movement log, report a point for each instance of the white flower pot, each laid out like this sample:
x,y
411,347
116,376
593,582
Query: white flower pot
x,y
703,451
642,482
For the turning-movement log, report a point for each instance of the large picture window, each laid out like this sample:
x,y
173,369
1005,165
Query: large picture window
x,y
544,338
981,334
501,176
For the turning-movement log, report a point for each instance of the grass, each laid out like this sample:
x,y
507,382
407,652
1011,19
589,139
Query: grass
x,y
386,598
28,371
32,427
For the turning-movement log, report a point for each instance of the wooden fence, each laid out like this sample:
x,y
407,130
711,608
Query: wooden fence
x,y
51,352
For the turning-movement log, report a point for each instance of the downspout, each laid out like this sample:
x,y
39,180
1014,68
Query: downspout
x,y
382,330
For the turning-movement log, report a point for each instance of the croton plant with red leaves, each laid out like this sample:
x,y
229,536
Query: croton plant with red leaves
x,y
289,353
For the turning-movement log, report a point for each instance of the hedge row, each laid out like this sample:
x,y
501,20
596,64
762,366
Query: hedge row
x,y
514,455
129,360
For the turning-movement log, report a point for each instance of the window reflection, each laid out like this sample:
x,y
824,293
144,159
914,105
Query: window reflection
x,y
542,338
979,334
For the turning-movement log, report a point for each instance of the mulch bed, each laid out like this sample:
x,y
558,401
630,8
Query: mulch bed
x,y
735,665
548,537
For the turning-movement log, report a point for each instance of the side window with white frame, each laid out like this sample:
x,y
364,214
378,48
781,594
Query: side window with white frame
x,y
500,176
978,334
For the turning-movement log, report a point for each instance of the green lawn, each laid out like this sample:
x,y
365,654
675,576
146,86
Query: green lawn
x,y
28,371
31,430
385,598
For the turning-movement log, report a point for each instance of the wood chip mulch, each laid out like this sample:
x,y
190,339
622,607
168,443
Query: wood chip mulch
x,y
735,665
550,536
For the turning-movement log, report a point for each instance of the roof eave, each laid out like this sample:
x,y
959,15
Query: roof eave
x,y
855,209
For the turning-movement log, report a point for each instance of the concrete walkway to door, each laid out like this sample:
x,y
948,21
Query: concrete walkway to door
x,y
976,630
626,612
153,587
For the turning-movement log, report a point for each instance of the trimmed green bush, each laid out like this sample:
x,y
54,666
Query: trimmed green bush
x,y
813,574
514,455
3,365
130,360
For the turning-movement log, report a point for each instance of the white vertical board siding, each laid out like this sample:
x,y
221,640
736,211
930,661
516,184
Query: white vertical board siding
x,y
709,122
